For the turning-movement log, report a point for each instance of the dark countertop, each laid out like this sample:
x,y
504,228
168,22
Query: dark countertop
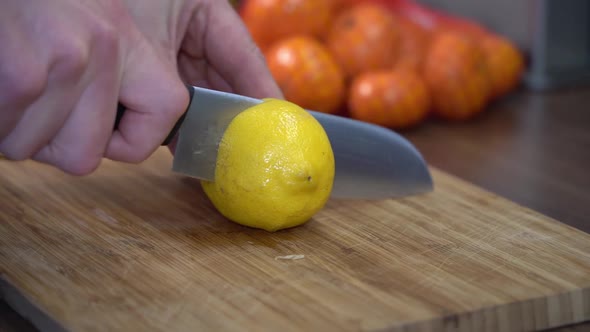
x,y
531,148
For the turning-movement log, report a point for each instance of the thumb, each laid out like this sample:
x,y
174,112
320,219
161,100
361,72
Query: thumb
x,y
154,97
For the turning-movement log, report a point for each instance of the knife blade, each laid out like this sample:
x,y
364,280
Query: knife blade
x,y
372,162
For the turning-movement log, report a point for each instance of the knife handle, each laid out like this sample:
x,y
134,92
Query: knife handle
x,y
121,110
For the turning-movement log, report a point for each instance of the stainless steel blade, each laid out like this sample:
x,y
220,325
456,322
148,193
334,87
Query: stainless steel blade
x,y
206,119
372,162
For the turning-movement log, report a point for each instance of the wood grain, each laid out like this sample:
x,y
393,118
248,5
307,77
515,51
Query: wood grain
x,y
137,248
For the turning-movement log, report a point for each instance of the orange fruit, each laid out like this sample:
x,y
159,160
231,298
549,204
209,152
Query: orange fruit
x,y
457,75
414,44
307,73
339,5
271,20
363,37
505,62
396,99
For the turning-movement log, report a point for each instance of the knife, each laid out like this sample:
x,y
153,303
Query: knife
x,y
372,162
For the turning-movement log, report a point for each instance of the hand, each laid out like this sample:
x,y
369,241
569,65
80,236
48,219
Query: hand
x,y
208,42
64,65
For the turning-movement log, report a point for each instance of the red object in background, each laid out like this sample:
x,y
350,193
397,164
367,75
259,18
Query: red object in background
x,y
431,19
464,65
505,62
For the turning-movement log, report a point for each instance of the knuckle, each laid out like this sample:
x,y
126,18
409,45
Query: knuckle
x,y
16,154
23,82
129,152
138,155
73,159
105,34
80,165
132,158
72,58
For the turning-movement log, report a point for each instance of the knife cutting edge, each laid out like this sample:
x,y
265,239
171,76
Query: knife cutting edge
x,y
372,162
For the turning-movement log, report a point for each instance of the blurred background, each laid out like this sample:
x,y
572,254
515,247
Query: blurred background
x,y
398,63
554,35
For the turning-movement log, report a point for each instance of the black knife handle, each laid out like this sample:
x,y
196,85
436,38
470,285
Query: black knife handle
x,y
121,110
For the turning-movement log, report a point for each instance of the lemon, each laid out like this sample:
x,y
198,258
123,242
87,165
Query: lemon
x,y
275,167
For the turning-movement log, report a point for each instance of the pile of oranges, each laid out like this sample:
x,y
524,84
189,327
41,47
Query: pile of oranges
x,y
388,62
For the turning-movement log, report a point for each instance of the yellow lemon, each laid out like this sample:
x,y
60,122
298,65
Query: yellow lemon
x,y
275,167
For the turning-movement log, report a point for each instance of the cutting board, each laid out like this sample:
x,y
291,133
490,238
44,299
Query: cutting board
x,y
137,248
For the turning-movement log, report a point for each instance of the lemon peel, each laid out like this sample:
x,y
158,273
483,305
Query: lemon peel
x,y
275,167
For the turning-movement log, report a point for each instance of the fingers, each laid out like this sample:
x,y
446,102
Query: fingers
x,y
71,119
155,99
79,146
63,106
43,118
71,124
22,79
230,49
69,114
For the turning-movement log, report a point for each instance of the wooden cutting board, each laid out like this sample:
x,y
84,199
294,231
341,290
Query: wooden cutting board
x,y
136,248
